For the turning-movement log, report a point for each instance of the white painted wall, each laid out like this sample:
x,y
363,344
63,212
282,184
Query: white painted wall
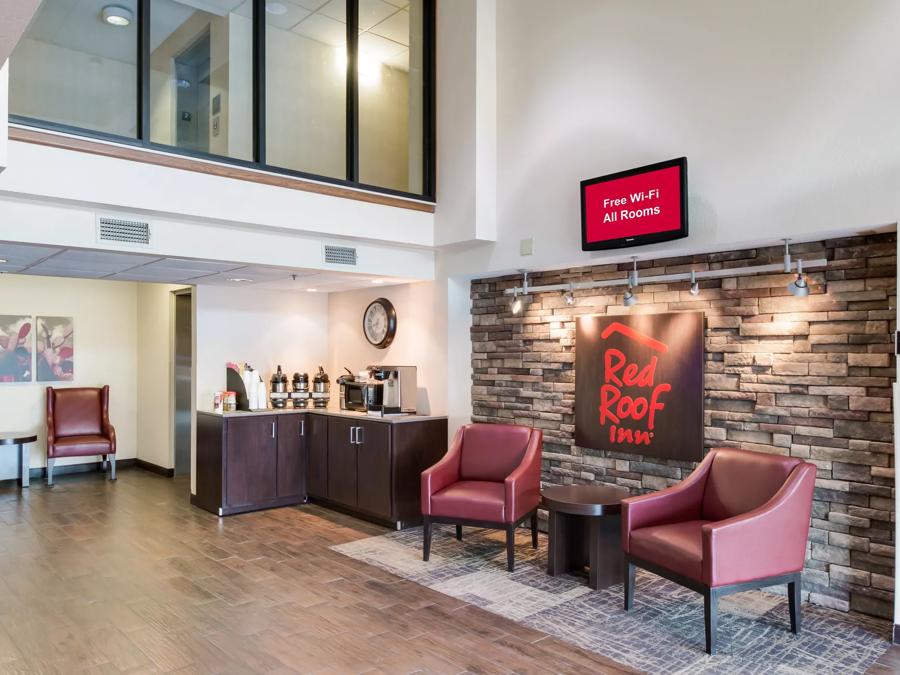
x,y
4,115
421,324
105,321
786,112
155,367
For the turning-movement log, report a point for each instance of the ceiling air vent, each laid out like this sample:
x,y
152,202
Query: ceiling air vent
x,y
340,255
123,231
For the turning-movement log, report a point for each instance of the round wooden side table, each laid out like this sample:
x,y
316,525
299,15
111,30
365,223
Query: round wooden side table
x,y
19,440
585,530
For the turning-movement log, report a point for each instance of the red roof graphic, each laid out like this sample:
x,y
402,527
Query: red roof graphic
x,y
631,333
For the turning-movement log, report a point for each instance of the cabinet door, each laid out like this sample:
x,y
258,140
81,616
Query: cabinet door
x,y
292,456
250,460
317,453
341,462
373,462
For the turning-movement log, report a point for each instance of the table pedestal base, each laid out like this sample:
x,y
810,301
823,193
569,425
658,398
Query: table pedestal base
x,y
577,542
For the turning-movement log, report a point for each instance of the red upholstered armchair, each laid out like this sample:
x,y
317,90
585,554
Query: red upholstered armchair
x,y
78,426
739,521
490,477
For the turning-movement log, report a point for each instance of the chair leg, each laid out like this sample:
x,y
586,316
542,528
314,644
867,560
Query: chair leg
x,y
459,532
426,538
711,618
112,467
511,547
629,585
50,462
534,531
794,603
103,461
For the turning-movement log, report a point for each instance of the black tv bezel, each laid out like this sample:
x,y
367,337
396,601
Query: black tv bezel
x,y
641,239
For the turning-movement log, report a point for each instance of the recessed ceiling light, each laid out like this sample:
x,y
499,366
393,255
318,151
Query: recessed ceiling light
x,y
120,17
276,8
311,290
239,280
377,281
3,261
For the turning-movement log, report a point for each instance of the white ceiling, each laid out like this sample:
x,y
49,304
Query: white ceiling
x,y
115,266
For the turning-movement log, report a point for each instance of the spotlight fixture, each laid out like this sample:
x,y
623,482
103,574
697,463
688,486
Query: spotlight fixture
x,y
695,285
569,295
799,286
629,298
633,274
515,305
114,15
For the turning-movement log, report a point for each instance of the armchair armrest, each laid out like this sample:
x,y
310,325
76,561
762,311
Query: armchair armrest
x,y
671,505
523,486
766,542
106,427
442,474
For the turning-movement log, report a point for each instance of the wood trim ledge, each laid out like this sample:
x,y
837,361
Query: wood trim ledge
x,y
136,154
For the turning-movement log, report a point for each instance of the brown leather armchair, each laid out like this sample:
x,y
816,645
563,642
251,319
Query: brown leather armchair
x,y
490,477
78,426
739,521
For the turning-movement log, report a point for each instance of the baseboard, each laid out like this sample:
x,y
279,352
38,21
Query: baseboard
x,y
154,468
896,634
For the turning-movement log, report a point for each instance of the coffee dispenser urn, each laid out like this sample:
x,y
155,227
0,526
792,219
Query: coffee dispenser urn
x,y
321,387
278,393
299,394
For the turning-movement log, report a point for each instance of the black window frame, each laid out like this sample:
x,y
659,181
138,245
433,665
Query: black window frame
x,y
351,126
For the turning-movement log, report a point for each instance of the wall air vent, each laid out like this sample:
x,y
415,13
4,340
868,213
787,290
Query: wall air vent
x,y
120,231
340,255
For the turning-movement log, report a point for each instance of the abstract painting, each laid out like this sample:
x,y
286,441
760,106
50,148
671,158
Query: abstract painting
x,y
16,346
55,349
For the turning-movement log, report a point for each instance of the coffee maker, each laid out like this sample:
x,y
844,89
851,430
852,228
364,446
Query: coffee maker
x,y
392,390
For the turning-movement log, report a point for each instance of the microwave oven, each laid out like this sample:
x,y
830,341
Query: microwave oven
x,y
353,396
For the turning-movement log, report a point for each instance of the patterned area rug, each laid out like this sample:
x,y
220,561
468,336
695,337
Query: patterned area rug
x,y
663,633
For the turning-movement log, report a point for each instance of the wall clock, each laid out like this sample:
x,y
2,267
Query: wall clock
x,y
380,323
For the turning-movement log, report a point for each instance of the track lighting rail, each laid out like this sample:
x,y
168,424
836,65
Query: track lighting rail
x,y
777,268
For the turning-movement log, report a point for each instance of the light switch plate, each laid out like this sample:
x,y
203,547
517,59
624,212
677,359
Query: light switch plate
x,y
526,246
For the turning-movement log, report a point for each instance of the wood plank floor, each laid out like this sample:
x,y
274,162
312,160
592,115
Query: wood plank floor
x,y
120,577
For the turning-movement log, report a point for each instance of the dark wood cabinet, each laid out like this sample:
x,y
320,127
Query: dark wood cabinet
x,y
317,454
291,471
373,468
342,469
370,468
250,467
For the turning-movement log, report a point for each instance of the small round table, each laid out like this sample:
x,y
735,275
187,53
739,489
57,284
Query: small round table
x,y
585,530
19,440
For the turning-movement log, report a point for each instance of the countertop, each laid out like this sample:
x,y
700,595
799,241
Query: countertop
x,y
333,412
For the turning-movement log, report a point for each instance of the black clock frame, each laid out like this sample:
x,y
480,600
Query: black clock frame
x,y
391,321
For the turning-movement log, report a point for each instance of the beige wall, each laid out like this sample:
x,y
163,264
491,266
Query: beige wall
x,y
62,85
421,329
105,321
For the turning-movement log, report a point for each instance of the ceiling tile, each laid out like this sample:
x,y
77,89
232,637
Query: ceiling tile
x,y
335,9
372,12
284,14
311,5
325,30
379,48
395,27
24,254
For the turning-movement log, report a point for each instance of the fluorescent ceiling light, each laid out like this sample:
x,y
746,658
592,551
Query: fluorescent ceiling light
x,y
114,15
239,280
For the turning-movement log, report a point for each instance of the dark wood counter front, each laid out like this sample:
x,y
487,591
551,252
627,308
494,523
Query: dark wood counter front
x,y
361,466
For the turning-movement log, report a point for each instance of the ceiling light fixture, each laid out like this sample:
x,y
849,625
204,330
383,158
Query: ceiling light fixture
x,y
569,295
633,274
377,281
695,285
239,280
276,8
311,290
629,298
3,261
114,15
515,305
799,286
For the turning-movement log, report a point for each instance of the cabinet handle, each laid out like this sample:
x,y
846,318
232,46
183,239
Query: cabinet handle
x,y
352,442
359,435
303,427
273,429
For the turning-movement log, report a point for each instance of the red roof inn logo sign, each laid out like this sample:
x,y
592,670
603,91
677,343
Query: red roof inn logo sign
x,y
639,384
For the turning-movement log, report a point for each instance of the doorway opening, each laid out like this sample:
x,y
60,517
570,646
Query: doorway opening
x,y
192,86
183,365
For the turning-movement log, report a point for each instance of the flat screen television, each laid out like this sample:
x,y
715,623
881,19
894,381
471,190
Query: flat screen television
x,y
635,207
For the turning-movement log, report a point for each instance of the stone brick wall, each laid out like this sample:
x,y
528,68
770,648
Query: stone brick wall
x,y
806,377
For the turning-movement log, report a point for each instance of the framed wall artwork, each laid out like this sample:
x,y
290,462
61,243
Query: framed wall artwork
x,y
55,349
639,384
16,347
